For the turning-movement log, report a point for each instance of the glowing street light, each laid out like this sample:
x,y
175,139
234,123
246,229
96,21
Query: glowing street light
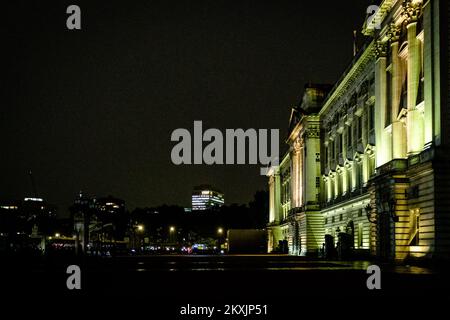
x,y
172,229
57,235
220,231
140,227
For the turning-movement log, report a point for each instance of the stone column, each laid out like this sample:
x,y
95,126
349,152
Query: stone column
x,y
411,11
277,195
430,72
271,199
295,173
328,188
381,138
310,167
398,130
301,173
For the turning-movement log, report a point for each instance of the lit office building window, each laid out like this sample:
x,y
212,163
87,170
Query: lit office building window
x,y
205,197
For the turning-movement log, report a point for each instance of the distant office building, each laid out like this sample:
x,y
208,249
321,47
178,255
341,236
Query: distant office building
x,y
109,205
22,216
205,197
97,220
29,208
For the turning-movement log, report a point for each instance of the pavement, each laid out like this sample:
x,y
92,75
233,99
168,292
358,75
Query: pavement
x,y
225,275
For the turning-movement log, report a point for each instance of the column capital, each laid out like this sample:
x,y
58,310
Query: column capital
x,y
394,33
411,10
380,49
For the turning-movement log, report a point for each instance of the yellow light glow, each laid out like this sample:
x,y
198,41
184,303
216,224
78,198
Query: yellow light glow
x,y
172,229
57,235
140,227
219,230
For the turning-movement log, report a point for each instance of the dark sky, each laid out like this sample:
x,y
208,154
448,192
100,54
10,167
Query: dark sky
x,y
93,110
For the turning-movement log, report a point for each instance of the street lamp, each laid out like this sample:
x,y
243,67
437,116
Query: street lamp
x,y
219,238
383,207
140,229
368,209
171,232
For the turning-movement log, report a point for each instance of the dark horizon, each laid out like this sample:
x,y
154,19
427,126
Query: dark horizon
x,y
93,110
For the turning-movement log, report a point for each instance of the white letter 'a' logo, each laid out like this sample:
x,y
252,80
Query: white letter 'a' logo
x,y
374,281
74,280
74,20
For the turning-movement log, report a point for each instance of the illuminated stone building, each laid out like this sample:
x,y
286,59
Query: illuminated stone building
x,y
279,206
295,214
377,171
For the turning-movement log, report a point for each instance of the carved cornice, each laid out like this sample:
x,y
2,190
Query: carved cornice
x,y
352,78
411,10
379,16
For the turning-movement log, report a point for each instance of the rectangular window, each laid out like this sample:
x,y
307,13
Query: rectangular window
x,y
360,235
421,91
371,117
414,222
336,148
388,98
349,136
358,169
332,150
359,128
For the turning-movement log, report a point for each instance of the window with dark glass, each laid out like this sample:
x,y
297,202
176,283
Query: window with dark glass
x,y
371,117
388,99
349,136
359,128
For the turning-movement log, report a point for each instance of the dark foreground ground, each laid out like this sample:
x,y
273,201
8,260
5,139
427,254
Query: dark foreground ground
x,y
173,281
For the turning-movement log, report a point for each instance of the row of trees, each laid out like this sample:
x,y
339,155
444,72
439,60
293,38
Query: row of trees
x,y
162,224
160,220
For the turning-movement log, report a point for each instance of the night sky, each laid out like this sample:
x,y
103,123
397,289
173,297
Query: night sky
x,y
94,109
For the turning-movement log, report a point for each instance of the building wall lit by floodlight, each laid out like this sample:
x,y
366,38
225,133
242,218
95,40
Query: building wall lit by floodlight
x,y
205,197
367,168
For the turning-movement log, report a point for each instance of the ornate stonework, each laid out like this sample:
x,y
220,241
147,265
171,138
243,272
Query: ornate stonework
x,y
313,132
380,49
394,32
411,10
297,145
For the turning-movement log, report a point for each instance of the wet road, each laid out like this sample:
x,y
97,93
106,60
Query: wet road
x,y
219,277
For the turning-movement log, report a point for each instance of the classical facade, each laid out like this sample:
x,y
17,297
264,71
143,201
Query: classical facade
x,y
368,167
